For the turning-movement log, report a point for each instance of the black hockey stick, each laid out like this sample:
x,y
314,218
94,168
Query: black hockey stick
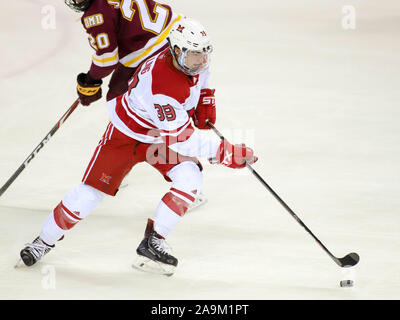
x,y
39,147
347,261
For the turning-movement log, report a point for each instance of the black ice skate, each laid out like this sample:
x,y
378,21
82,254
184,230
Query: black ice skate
x,y
154,254
34,251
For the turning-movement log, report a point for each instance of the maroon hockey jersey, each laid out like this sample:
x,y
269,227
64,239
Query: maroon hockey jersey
x,y
125,32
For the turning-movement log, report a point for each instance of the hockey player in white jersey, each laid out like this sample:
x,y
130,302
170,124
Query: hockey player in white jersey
x,y
152,123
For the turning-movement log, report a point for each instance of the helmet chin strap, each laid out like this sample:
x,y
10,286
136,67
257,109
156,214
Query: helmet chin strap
x,y
181,60
181,63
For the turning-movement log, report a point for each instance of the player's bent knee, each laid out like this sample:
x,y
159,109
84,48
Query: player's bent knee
x,y
187,177
83,199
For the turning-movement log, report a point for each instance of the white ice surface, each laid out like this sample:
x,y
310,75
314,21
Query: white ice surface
x,y
319,104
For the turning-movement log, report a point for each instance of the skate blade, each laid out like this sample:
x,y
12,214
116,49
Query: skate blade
x,y
19,264
147,265
197,203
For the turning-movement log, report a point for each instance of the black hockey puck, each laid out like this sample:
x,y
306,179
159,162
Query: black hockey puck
x,y
346,283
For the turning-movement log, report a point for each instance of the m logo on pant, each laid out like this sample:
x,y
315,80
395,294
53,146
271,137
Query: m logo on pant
x,y
105,178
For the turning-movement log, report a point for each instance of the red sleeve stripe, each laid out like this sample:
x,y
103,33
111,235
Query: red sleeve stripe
x,y
187,196
130,121
177,131
138,119
182,137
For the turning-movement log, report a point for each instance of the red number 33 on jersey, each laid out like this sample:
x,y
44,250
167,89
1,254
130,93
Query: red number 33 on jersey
x,y
166,112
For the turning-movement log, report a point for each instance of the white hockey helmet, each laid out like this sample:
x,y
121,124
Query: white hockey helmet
x,y
194,44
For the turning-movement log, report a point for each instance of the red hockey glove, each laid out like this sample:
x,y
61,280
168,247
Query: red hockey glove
x,y
205,109
234,156
89,89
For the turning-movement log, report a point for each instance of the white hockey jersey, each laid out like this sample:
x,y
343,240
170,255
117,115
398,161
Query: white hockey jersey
x,y
157,108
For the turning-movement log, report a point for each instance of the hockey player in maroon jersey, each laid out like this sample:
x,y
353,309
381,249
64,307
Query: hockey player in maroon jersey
x,y
123,34
152,122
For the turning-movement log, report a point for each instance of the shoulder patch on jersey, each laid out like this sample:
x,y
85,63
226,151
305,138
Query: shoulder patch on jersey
x,y
99,13
93,20
169,81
